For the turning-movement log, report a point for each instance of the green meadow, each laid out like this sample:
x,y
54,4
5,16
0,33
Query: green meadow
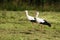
x,y
14,25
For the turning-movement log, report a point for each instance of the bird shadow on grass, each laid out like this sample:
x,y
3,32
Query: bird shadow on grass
x,y
26,32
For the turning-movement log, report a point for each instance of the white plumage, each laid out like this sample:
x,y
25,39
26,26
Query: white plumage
x,y
32,19
42,21
39,19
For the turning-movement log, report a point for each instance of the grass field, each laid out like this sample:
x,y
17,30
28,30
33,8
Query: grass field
x,y
15,26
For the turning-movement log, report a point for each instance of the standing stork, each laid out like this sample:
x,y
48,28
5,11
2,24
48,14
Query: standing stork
x,y
42,21
30,18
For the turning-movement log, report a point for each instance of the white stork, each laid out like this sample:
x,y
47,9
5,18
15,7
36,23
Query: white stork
x,y
42,21
30,18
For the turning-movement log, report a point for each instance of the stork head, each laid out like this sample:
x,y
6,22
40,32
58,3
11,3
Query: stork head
x,y
26,11
37,13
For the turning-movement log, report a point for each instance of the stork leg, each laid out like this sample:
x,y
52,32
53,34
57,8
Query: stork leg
x,y
42,27
33,24
39,28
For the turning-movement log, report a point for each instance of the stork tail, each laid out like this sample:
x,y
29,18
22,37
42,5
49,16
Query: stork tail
x,y
47,23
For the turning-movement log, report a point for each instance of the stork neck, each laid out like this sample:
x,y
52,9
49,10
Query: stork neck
x,y
36,15
26,13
